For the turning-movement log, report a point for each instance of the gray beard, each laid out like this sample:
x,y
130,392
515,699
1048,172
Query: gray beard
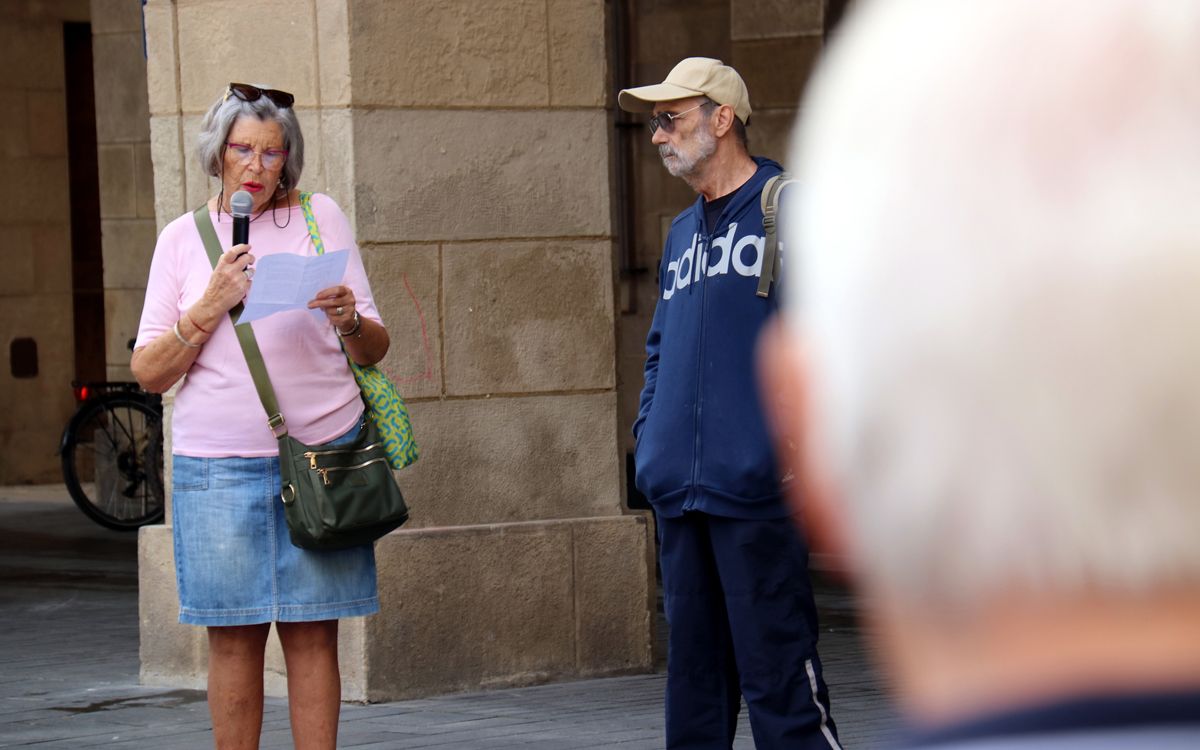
x,y
684,164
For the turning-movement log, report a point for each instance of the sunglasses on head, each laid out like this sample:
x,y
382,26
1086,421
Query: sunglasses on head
x,y
666,120
248,93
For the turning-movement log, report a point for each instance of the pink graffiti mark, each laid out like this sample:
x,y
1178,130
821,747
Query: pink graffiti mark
x,y
428,374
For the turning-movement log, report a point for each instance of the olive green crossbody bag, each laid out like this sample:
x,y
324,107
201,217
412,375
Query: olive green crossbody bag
x,y
334,496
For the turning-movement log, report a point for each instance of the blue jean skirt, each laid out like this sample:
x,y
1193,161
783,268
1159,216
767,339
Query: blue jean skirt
x,y
234,562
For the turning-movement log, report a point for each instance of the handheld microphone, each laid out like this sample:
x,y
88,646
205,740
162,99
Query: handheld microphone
x,y
241,205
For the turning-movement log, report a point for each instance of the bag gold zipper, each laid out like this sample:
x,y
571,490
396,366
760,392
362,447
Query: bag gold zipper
x,y
325,471
312,455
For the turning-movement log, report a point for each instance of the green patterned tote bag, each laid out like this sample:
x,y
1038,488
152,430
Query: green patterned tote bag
x,y
379,392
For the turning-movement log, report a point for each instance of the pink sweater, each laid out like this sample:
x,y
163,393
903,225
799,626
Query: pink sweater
x,y
217,410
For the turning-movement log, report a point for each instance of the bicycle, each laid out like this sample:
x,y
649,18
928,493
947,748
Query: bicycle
x,y
112,454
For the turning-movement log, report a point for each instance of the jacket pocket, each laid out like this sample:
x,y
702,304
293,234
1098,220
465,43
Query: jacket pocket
x,y
663,465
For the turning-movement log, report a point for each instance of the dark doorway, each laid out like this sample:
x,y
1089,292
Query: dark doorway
x,y
87,260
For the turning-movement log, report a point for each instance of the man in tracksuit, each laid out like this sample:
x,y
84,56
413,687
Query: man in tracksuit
x,y
735,570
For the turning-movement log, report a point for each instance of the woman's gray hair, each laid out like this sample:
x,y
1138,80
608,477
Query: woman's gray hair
x,y
219,120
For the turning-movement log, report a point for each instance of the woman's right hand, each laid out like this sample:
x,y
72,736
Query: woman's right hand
x,y
230,280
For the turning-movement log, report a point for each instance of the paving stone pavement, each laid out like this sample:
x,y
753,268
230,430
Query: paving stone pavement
x,y
69,666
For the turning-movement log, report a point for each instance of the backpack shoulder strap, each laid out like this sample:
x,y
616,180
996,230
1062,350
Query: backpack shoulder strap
x,y
770,208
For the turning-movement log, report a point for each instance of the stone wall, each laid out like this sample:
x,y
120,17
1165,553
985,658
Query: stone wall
x,y
36,289
35,286
126,174
492,204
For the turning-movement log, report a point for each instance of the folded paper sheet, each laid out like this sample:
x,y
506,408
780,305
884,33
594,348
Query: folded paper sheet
x,y
287,282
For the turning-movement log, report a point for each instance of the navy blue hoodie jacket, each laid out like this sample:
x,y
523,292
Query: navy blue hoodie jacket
x,y
702,441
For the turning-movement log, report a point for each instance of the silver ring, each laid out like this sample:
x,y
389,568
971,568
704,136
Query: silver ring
x,y
249,272
339,310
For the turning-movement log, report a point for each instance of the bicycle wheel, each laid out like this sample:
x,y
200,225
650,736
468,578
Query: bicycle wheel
x,y
112,461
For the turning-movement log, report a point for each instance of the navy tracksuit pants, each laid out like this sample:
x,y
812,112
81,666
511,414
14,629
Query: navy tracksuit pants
x,y
742,623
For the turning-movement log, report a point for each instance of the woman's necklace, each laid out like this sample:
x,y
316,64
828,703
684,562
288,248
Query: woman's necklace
x,y
274,202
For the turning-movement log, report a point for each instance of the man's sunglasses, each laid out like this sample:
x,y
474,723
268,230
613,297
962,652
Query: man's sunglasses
x,y
248,93
666,120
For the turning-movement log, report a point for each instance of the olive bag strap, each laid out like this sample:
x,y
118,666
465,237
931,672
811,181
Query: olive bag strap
x,y
245,334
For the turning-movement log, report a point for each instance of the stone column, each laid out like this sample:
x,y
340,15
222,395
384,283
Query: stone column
x,y
126,177
469,142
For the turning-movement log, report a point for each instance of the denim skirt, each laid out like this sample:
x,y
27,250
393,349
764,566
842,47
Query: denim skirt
x,y
234,562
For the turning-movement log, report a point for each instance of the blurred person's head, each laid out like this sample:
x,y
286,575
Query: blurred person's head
x,y
997,352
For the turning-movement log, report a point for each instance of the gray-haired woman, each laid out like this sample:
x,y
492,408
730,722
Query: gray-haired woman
x,y
236,570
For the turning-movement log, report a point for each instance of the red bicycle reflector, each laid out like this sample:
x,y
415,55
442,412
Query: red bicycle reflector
x,y
81,393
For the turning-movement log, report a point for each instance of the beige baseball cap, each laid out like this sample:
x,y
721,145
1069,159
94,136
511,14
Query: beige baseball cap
x,y
694,76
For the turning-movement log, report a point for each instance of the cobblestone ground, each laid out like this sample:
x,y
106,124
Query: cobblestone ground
x,y
69,666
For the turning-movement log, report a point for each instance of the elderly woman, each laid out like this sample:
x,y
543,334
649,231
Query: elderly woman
x,y
236,569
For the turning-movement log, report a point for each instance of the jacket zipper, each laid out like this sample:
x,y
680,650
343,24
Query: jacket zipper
x,y
702,280
690,502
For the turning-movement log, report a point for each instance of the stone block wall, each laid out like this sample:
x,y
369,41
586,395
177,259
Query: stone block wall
x,y
518,620
36,291
35,287
483,205
482,179
126,173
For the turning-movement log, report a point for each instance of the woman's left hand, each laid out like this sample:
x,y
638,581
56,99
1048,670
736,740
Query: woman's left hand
x,y
365,341
337,302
